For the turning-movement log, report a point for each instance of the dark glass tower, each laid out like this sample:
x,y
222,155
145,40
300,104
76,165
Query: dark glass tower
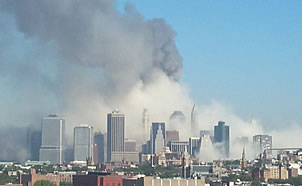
x,y
222,138
99,142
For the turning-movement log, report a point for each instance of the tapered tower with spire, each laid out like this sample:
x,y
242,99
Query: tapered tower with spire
x,y
194,121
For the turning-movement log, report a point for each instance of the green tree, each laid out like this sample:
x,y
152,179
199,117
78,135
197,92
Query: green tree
x,y
4,178
44,183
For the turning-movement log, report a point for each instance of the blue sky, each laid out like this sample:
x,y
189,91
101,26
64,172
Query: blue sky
x,y
244,54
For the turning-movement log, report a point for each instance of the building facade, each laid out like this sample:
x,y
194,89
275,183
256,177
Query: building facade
x,y
115,135
158,137
194,121
194,146
222,138
53,139
172,135
99,144
263,143
146,124
83,143
97,180
130,145
179,146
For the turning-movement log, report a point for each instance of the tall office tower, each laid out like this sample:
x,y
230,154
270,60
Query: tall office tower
x,y
33,143
222,138
186,164
105,147
83,143
146,126
99,147
158,137
68,153
130,145
194,146
53,142
263,143
171,135
206,142
194,121
115,136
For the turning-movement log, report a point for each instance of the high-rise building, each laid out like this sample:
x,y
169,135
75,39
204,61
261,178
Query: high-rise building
x,y
53,141
115,136
171,135
99,147
263,143
194,121
222,138
194,146
33,143
130,145
206,142
83,143
158,137
146,125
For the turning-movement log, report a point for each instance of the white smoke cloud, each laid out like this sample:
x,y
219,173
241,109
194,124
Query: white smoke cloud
x,y
83,59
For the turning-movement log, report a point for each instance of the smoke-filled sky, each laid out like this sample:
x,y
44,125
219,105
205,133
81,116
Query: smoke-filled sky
x,y
245,54
82,59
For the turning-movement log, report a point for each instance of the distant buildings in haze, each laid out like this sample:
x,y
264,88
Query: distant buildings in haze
x,y
222,138
53,139
83,143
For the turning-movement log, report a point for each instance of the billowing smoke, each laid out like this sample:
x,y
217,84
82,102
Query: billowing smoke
x,y
98,55
82,59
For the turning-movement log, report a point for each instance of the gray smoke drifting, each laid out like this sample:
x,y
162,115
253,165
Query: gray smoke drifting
x,y
82,59
100,52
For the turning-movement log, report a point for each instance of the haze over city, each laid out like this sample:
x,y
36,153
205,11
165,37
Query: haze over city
x,y
190,65
69,70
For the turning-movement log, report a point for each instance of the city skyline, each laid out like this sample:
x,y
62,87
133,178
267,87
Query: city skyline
x,y
63,73
131,92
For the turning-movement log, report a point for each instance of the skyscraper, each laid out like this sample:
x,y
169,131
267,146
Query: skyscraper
x,y
130,145
83,143
158,136
171,135
33,143
206,142
99,145
194,146
263,143
53,142
115,136
194,121
222,138
146,126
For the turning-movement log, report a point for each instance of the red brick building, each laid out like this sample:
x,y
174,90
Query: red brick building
x,y
33,177
97,180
